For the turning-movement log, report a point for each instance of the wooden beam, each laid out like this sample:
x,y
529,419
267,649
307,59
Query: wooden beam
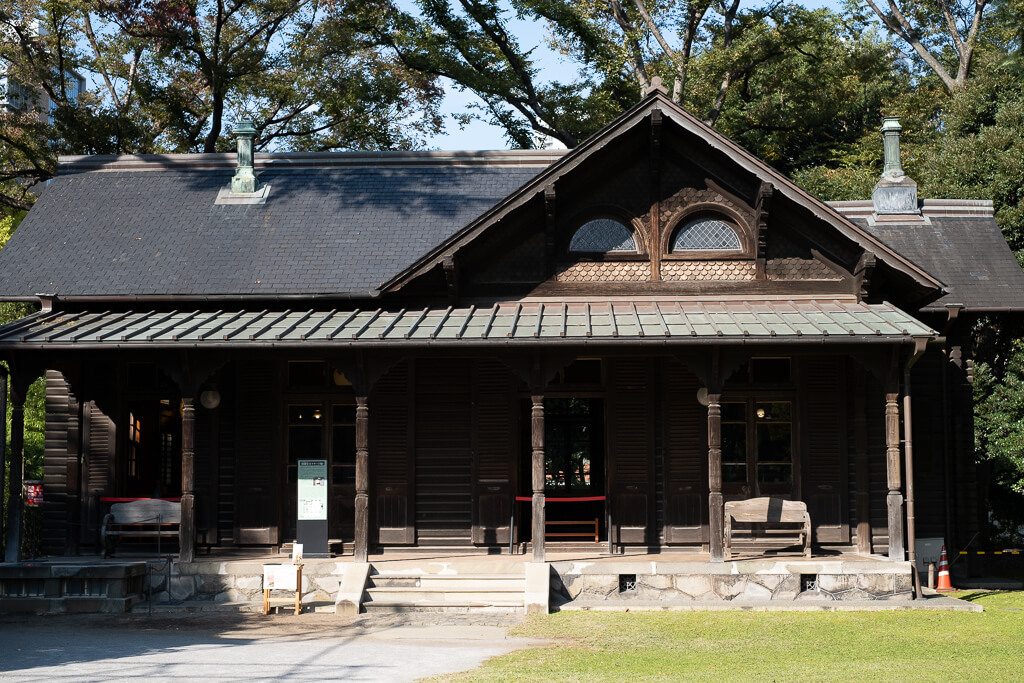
x,y
537,470
550,230
451,278
17,460
362,501
187,529
762,207
716,520
654,239
3,440
894,499
862,474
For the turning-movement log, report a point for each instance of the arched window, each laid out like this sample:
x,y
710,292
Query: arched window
x,y
602,235
706,234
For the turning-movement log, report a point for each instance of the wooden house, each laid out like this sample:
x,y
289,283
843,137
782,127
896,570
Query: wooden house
x,y
483,343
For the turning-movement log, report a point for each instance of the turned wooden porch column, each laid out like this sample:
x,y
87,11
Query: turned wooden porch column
x,y
15,499
187,529
893,477
362,503
537,441
716,520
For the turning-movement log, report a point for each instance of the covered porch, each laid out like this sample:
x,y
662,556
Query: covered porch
x,y
664,371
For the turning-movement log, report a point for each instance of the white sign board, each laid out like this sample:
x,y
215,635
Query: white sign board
x,y
312,490
280,577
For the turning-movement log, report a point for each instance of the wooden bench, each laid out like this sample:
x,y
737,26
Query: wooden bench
x,y
144,518
768,511
587,524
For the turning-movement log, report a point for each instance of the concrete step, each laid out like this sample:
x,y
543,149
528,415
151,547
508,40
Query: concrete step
x,y
498,582
460,606
467,595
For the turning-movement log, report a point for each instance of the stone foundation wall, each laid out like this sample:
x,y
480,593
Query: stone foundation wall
x,y
239,582
742,582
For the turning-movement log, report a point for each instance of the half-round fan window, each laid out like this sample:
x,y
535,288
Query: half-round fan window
x,y
602,235
706,234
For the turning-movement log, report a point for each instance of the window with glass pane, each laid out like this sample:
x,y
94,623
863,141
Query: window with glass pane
x,y
601,236
774,426
734,443
305,430
568,444
343,444
706,234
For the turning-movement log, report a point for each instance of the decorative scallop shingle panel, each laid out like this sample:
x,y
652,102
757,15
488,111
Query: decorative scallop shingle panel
x,y
799,269
604,271
708,270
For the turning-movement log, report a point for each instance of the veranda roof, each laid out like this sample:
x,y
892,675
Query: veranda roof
x,y
522,322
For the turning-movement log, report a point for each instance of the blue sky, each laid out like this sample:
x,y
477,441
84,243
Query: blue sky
x,y
480,135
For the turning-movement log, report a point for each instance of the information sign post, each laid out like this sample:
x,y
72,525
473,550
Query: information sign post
x,y
311,524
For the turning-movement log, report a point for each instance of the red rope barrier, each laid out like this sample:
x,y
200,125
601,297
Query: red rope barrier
x,y
563,500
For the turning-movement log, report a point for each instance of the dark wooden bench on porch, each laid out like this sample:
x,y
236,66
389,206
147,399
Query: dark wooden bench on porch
x,y
142,518
768,511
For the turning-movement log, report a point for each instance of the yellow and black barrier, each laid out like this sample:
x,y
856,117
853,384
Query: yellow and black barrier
x,y
992,552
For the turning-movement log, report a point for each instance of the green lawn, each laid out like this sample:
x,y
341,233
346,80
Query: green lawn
x,y
768,646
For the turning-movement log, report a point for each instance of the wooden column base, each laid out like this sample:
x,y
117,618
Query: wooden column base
x,y
896,546
362,523
187,529
716,526
538,527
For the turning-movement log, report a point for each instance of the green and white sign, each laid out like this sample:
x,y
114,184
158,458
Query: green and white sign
x,y
312,490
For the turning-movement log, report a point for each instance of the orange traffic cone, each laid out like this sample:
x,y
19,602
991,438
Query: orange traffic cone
x,y
944,585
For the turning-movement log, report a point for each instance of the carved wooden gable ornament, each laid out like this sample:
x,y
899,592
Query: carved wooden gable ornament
x,y
658,203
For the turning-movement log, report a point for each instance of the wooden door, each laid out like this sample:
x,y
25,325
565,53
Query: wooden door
x,y
391,448
630,424
686,458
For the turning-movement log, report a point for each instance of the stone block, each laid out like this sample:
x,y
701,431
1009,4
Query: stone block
x,y
654,582
182,587
769,581
211,584
902,582
853,594
875,584
728,586
248,583
788,588
834,583
693,585
754,591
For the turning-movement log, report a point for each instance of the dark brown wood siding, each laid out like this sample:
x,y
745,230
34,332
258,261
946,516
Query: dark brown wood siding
x,y
391,448
824,480
494,452
630,426
257,468
444,456
99,447
60,466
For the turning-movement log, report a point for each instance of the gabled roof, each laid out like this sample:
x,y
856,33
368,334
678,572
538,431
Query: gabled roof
x,y
334,225
957,241
657,100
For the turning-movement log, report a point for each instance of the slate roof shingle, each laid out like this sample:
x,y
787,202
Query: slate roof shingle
x,y
323,231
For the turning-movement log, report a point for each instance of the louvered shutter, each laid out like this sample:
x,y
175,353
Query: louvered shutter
x,y
257,511
631,448
686,458
824,452
391,457
494,453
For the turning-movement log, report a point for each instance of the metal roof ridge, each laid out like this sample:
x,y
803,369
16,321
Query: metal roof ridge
x,y
227,160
